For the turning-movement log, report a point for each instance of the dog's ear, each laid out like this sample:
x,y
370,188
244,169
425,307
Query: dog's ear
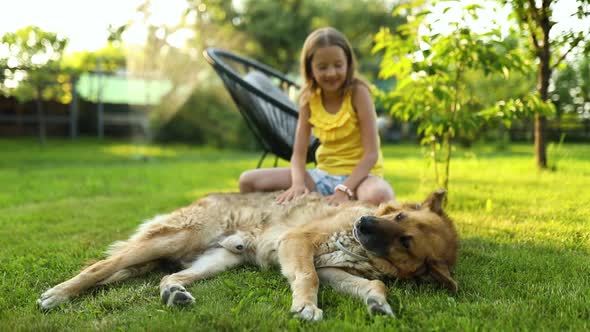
x,y
435,201
440,272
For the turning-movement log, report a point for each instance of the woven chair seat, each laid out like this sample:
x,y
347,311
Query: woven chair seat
x,y
261,95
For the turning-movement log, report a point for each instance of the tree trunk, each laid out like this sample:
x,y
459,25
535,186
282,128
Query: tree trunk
x,y
540,148
540,120
447,142
435,161
41,117
544,74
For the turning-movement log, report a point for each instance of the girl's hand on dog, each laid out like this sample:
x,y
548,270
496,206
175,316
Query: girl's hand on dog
x,y
337,198
291,193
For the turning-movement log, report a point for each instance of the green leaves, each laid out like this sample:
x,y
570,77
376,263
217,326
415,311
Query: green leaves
x,y
33,47
432,71
509,110
32,62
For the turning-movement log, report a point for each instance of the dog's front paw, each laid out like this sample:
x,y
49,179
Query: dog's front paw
x,y
378,306
52,298
308,312
176,295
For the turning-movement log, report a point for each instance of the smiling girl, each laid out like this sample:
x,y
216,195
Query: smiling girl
x,y
338,107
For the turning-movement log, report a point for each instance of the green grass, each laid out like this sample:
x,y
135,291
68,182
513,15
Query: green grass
x,y
524,262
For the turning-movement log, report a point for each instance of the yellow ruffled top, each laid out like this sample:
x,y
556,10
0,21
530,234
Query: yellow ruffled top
x,y
328,126
339,133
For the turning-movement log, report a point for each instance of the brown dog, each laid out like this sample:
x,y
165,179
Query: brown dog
x,y
349,247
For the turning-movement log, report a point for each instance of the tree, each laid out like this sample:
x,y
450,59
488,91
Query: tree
x,y
196,104
432,73
32,63
276,30
279,29
31,68
271,32
571,92
112,57
536,19
359,21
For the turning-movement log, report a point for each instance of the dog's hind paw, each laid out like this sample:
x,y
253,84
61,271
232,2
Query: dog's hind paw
x,y
176,295
308,312
51,299
379,307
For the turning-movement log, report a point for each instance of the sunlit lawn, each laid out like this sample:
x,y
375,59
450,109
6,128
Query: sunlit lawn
x,y
524,262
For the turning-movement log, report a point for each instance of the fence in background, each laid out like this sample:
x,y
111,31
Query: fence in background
x,y
109,99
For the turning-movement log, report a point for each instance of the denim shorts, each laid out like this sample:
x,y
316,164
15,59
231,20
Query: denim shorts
x,y
324,182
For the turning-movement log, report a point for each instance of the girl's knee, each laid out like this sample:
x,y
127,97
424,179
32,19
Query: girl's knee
x,y
377,195
265,180
380,195
247,182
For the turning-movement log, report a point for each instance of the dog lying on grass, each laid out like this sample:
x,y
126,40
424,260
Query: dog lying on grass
x,y
350,247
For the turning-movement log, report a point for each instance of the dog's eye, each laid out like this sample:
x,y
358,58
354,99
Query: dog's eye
x,y
405,241
400,216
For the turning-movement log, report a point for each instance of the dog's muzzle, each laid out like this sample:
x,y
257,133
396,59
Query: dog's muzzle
x,y
363,227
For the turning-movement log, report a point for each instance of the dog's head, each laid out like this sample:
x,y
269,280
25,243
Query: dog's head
x,y
412,240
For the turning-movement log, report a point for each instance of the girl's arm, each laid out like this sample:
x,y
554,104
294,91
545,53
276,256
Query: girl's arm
x,y
365,110
298,158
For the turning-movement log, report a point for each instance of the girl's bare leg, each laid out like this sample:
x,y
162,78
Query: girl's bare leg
x,y
374,190
269,179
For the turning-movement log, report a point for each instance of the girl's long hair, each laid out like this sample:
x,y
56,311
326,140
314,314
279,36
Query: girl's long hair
x,y
325,37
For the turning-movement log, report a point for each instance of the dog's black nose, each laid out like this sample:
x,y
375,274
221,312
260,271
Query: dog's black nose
x,y
364,225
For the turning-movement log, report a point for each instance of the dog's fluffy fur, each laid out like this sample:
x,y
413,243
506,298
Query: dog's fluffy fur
x,y
349,247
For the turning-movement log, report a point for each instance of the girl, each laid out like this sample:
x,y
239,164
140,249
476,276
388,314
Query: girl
x,y
339,108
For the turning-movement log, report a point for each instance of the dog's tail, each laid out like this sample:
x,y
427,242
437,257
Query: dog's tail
x,y
115,247
143,229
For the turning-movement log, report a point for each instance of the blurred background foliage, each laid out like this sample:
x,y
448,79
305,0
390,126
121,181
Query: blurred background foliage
x,y
198,110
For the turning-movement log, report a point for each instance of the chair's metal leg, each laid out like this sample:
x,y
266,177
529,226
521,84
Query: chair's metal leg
x,y
262,159
276,161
